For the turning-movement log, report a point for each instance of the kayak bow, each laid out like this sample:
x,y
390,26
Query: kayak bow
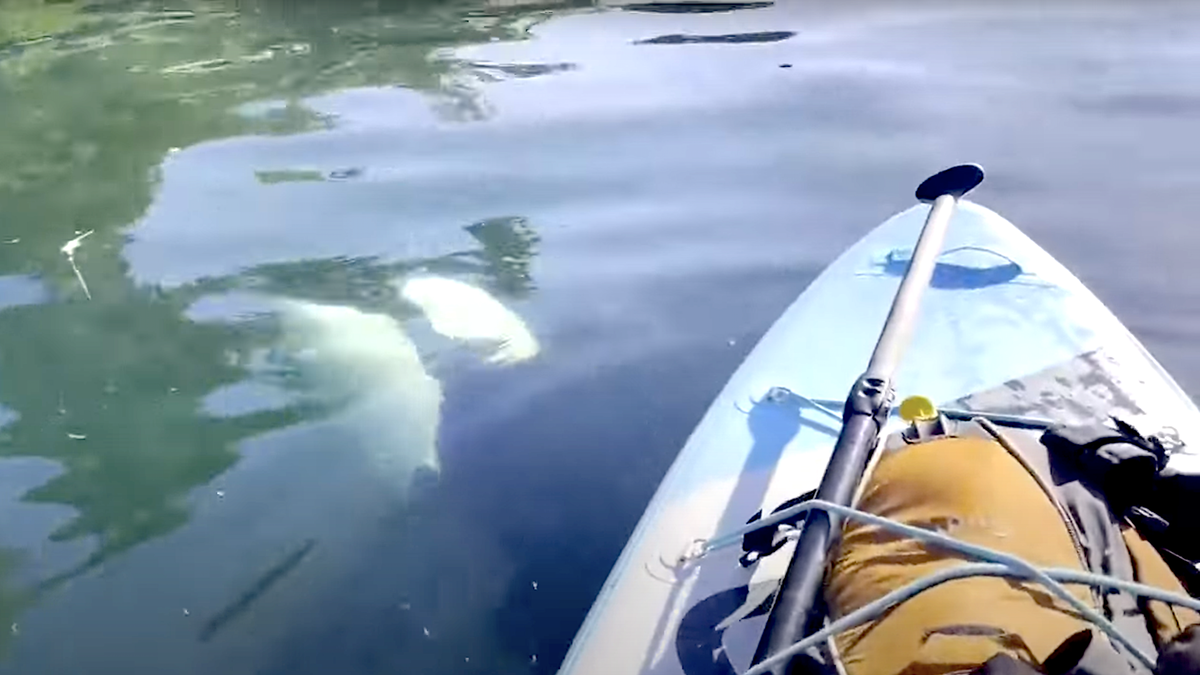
x,y
1006,333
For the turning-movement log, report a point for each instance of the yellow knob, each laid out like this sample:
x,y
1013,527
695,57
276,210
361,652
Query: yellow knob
x,y
918,409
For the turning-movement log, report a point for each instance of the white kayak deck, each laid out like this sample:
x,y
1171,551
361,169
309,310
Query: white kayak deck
x,y
1003,328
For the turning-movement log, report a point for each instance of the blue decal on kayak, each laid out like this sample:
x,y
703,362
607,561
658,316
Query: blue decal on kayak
x,y
963,268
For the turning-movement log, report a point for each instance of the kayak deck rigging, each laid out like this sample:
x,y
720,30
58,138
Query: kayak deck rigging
x,y
997,564
829,407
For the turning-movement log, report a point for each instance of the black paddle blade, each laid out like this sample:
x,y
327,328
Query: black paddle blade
x,y
956,181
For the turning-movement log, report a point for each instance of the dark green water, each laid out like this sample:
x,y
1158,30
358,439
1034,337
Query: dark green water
x,y
644,189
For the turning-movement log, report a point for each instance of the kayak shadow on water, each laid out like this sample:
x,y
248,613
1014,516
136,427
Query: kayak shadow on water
x,y
720,597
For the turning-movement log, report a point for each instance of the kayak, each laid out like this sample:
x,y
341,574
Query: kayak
x,y
1003,329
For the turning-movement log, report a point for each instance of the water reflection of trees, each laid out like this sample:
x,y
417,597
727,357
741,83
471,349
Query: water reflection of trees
x,y
85,156
112,388
501,263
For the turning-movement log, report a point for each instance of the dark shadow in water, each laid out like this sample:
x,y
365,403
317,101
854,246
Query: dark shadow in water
x,y
733,38
256,591
693,7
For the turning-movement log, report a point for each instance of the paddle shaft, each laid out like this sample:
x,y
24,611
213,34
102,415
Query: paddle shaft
x,y
902,319
793,617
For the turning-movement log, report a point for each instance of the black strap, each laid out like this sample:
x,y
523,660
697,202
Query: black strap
x,y
762,543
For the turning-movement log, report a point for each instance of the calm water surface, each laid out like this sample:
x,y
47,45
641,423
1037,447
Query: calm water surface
x,y
234,440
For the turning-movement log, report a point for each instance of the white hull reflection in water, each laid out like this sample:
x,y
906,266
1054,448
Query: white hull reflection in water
x,y
368,366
